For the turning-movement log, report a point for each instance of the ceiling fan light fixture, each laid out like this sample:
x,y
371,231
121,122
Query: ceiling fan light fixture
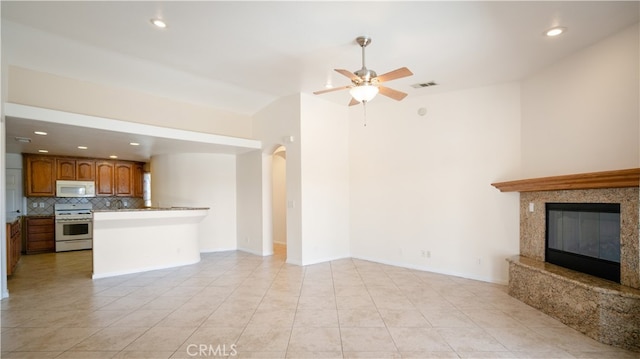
x,y
364,93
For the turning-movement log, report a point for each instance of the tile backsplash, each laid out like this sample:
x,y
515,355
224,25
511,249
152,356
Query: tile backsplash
x,y
44,205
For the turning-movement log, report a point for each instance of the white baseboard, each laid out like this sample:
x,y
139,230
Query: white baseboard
x,y
427,269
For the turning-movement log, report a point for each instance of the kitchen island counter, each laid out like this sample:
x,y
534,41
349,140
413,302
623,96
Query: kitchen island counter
x,y
147,209
137,240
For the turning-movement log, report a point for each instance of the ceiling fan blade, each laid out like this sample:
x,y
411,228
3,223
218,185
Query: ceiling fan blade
x,y
331,90
395,74
394,94
348,74
353,102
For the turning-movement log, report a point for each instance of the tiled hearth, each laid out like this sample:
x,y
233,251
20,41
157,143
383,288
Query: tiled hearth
x,y
606,311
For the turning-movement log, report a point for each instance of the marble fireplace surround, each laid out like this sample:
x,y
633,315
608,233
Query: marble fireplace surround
x,y
606,311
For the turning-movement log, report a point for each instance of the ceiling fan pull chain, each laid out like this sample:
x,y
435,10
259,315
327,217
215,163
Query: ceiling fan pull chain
x,y
364,106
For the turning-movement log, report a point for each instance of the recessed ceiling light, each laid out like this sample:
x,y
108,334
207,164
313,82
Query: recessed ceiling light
x,y
43,151
41,133
134,143
82,147
555,31
113,156
159,23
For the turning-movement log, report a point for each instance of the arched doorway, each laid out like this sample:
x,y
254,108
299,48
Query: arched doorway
x,y
279,201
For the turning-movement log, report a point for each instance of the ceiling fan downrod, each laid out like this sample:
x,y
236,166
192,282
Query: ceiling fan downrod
x,y
365,74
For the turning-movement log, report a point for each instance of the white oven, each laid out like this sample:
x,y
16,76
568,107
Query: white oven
x,y
74,227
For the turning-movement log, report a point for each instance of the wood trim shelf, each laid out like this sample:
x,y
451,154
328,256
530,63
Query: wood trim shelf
x,y
606,179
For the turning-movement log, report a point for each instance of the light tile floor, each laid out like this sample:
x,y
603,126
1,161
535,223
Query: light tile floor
x,y
240,305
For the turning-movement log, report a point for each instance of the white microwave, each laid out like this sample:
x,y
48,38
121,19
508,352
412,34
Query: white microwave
x,y
75,189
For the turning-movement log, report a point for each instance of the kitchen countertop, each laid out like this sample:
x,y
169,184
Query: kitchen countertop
x,y
11,220
146,209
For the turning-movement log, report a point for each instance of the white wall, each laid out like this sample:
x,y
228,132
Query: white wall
x,y
279,198
39,89
249,203
581,114
325,180
274,125
4,85
315,134
200,180
422,183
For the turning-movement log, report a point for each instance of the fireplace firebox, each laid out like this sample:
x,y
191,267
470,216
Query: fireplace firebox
x,y
584,237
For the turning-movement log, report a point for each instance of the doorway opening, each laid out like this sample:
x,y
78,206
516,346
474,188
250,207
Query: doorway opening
x,y
279,201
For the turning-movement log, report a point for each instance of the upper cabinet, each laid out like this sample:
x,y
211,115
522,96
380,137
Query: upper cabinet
x,y
65,169
75,169
119,178
40,180
113,178
124,179
138,172
104,178
85,170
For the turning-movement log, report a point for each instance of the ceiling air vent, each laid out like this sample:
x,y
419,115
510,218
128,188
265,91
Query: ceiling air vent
x,y
23,139
424,84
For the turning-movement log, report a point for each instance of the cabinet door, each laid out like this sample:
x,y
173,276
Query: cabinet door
x,y
104,178
85,170
40,234
66,169
124,179
14,245
40,176
138,172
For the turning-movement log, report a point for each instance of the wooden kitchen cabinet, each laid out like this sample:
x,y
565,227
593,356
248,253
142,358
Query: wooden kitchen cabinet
x,y
39,234
138,173
105,175
124,179
40,176
113,178
14,245
119,178
65,169
75,169
85,170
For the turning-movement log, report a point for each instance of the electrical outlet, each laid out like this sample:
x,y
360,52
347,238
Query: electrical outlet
x,y
34,205
41,204
126,204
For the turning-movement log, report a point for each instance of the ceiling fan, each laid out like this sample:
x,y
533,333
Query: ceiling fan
x,y
365,83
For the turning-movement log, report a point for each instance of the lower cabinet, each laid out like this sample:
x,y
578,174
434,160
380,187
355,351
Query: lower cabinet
x,y
39,234
14,245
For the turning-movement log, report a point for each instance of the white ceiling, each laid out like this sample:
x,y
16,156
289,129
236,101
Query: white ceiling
x,y
240,56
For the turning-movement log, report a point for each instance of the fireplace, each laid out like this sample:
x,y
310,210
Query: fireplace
x,y
605,310
584,237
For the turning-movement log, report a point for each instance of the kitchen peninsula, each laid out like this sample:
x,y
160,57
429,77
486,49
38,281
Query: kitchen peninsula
x,y
129,241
